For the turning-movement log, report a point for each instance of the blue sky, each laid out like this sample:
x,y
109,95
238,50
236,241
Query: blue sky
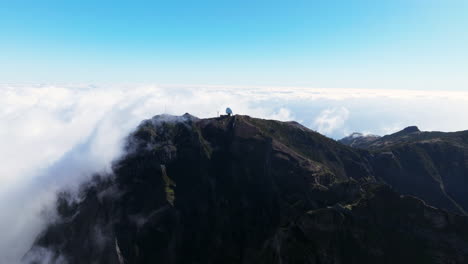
x,y
401,44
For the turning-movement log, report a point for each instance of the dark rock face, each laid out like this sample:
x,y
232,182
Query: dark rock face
x,y
381,227
411,129
244,190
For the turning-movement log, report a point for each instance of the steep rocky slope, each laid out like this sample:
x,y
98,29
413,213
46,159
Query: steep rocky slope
x,y
245,190
430,165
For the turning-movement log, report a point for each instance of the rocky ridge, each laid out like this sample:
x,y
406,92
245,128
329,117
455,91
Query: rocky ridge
x,y
245,190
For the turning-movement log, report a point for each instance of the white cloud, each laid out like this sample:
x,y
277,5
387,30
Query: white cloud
x,y
283,114
53,136
329,120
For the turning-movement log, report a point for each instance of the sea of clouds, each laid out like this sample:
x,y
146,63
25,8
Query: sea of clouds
x,y
55,136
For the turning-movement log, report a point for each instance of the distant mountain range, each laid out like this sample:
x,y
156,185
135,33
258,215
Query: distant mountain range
x,y
245,190
430,165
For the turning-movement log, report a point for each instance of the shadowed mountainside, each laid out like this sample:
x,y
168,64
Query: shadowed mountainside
x,y
246,190
430,165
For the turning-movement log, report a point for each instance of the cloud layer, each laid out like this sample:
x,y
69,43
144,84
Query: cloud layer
x,y
329,120
55,136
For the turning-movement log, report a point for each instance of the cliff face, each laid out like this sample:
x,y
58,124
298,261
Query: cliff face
x,y
245,190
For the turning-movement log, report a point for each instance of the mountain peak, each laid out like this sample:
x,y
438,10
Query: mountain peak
x,y
356,135
411,129
406,131
238,189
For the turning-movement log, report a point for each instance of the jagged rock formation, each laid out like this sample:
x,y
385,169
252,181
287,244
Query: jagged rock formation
x,y
244,190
